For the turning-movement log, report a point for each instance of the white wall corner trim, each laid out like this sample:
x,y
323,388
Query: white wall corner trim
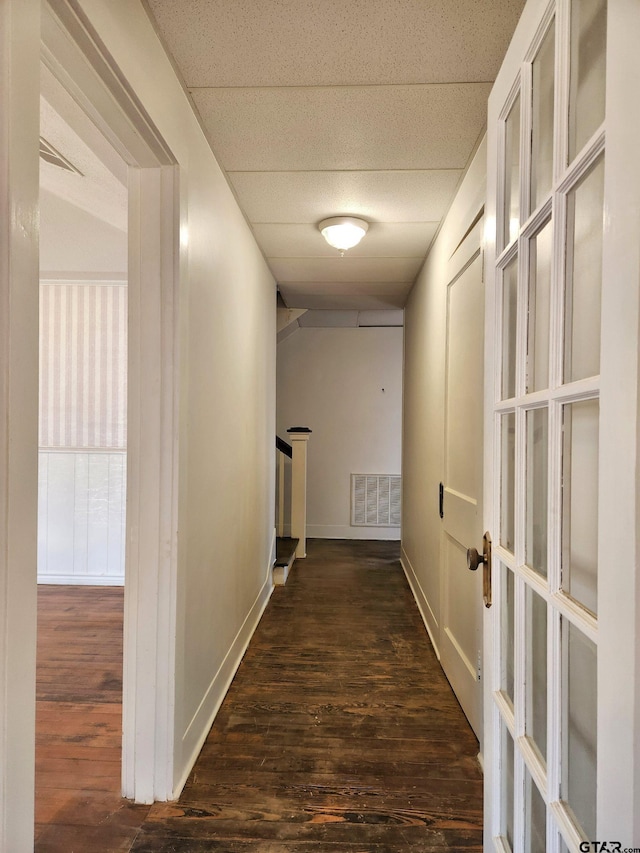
x,y
152,495
428,616
201,722
19,92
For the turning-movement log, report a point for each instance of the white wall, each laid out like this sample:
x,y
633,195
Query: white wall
x,y
332,381
227,394
424,400
74,241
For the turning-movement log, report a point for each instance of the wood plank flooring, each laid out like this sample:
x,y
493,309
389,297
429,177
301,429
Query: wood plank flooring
x,y
79,723
340,733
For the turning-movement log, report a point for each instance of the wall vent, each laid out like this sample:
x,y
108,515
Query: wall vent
x,y
375,500
53,156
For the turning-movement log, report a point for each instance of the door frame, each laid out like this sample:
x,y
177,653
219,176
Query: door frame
x,y
19,94
463,514
618,629
74,53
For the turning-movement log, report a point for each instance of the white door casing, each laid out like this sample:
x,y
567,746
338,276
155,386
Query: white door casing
x,y
562,761
74,55
19,111
461,608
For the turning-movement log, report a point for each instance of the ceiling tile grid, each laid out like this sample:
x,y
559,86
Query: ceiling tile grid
x,y
333,43
309,197
319,108
387,240
345,127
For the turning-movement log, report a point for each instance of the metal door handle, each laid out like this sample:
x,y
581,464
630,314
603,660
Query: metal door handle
x,y
474,559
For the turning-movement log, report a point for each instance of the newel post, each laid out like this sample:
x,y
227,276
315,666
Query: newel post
x,y
299,436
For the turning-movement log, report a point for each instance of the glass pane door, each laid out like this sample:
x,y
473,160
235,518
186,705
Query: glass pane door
x,y
547,284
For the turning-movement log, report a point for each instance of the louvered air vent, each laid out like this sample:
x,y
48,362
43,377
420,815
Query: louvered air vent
x,y
375,500
53,156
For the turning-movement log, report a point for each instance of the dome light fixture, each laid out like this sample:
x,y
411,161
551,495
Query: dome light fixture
x,y
343,232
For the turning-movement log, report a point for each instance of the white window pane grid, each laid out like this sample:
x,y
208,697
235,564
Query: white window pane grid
x,y
535,814
579,534
540,253
587,22
562,831
508,477
510,301
558,605
536,489
543,97
511,187
535,661
509,787
582,207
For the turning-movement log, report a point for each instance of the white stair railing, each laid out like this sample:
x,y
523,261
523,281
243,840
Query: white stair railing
x,y
297,452
299,437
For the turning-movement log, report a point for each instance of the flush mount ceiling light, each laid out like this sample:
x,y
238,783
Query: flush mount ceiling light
x,y
343,232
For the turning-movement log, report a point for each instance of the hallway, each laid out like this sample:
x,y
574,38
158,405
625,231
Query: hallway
x,y
339,732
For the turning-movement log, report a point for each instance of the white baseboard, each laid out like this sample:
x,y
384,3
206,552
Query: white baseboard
x,y
198,729
428,616
82,580
345,531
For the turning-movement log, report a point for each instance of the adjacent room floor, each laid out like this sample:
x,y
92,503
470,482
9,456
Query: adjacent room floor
x,y
340,731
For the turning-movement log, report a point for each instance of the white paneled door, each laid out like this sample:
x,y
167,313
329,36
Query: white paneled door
x,y
561,384
461,503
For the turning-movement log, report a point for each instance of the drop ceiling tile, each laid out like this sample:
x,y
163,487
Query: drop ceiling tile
x,y
345,296
280,43
383,240
344,269
361,127
308,197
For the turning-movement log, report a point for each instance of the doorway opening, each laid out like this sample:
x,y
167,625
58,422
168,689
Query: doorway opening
x,y
82,486
125,139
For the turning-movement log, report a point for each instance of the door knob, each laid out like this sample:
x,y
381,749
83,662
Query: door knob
x,y
474,559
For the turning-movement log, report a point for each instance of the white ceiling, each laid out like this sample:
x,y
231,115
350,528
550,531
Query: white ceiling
x,y
318,108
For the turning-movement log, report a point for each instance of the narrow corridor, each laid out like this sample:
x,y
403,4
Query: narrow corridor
x,y
339,733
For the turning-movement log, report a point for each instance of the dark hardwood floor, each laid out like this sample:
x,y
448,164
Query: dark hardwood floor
x,y
79,723
339,733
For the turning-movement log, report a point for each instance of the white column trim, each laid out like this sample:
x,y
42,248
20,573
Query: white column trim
x,y
151,550
19,130
299,490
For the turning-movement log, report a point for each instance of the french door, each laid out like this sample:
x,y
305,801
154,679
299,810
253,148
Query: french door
x,y
561,385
